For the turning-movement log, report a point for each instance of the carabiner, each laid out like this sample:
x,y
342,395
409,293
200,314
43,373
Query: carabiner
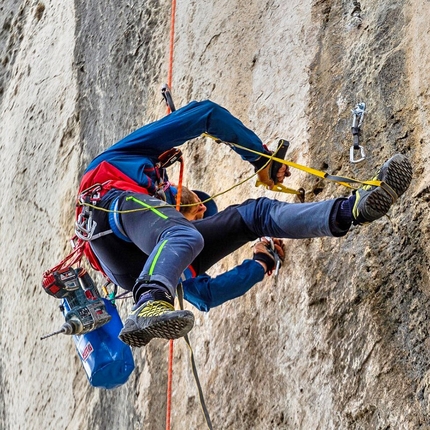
x,y
167,95
357,120
358,112
351,154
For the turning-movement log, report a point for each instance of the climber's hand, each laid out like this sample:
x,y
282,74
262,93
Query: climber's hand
x,y
266,176
265,252
279,247
282,173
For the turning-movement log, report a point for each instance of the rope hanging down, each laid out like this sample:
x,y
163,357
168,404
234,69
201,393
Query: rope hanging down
x,y
180,292
178,202
170,108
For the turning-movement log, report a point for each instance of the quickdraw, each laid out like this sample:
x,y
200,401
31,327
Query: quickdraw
x,y
357,121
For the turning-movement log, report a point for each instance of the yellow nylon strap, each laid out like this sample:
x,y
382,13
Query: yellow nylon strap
x,y
343,180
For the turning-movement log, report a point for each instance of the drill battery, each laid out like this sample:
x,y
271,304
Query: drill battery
x,y
61,282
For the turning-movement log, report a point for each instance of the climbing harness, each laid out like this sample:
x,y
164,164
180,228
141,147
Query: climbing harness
x,y
88,199
357,121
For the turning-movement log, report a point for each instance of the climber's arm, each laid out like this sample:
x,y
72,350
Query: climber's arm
x,y
187,123
205,292
193,120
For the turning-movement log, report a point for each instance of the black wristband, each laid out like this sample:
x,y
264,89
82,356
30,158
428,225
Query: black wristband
x,y
258,164
269,261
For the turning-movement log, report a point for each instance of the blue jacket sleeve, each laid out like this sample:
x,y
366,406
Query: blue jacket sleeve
x,y
184,124
205,292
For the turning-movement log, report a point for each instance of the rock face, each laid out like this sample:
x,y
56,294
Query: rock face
x,y
343,341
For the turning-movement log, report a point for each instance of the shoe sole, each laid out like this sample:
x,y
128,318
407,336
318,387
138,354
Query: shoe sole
x,y
165,329
397,174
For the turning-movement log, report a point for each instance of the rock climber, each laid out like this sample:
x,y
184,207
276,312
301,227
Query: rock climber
x,y
144,245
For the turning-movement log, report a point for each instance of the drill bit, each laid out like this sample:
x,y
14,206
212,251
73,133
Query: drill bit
x,y
62,330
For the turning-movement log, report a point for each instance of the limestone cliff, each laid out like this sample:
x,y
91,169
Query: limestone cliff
x,y
343,341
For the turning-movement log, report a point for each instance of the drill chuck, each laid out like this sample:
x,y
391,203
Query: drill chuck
x,y
71,327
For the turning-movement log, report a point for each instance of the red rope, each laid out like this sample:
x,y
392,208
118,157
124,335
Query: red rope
x,y
70,260
181,176
172,41
178,201
169,385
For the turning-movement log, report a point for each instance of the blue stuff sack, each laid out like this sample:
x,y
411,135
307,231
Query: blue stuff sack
x,y
107,361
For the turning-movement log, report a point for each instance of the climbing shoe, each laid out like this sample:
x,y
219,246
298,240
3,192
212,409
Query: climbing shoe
x,y
155,318
371,202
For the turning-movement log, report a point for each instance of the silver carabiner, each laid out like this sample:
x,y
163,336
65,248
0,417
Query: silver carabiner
x,y
358,113
351,154
357,120
277,258
85,226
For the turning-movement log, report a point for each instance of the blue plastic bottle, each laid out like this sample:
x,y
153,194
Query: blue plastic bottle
x,y
107,361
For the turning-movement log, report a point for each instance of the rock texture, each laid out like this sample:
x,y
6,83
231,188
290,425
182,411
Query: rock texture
x,y
343,341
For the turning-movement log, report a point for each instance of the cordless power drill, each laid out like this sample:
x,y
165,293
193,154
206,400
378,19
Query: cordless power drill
x,y
83,308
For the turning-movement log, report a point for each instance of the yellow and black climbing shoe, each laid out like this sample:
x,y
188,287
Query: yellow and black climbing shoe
x,y
153,319
371,202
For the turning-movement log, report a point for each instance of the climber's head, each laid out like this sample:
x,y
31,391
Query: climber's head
x,y
197,209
